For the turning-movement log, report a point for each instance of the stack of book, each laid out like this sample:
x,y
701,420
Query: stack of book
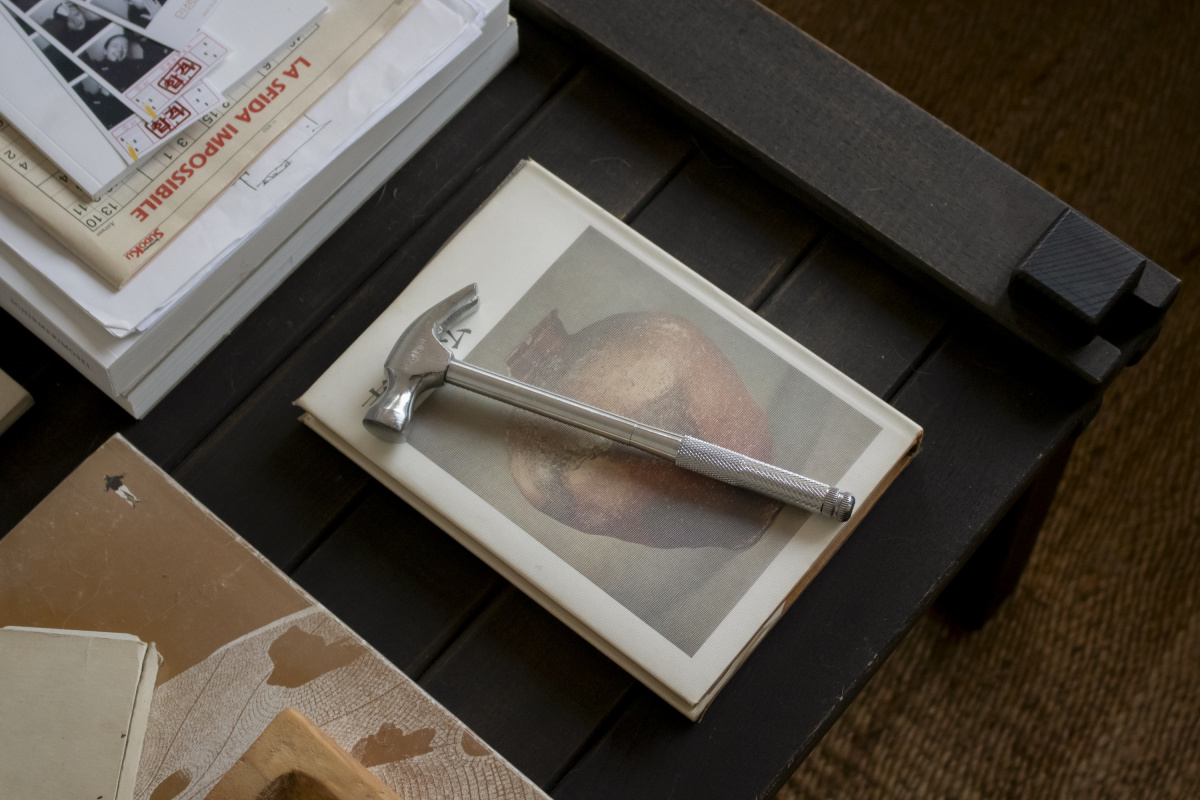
x,y
134,287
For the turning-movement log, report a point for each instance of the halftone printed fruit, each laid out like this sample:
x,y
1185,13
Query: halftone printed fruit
x,y
659,369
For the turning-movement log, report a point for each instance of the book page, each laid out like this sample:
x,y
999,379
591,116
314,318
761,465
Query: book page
x,y
125,229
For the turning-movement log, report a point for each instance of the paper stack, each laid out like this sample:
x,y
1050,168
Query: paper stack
x,y
201,278
674,576
73,712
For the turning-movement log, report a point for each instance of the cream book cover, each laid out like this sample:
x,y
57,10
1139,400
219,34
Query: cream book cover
x,y
674,576
73,712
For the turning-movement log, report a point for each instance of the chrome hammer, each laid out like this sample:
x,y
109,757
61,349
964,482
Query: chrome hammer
x,y
420,362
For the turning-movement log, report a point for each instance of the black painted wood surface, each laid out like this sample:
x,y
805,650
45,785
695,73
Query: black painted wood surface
x,y
871,162
550,703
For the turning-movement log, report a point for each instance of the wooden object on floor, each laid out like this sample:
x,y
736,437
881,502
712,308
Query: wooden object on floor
x,y
293,759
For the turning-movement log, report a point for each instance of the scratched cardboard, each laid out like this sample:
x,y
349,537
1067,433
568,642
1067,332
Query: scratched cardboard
x,y
120,547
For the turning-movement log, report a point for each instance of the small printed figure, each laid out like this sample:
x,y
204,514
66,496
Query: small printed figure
x,y
115,484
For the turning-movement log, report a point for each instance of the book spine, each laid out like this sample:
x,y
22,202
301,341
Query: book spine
x,y
52,335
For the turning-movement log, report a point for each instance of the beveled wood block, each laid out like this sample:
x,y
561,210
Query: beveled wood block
x,y
1081,268
293,759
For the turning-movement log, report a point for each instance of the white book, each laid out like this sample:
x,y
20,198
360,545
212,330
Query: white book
x,y
169,316
674,576
73,712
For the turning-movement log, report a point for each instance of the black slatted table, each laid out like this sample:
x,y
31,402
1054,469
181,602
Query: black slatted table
x,y
999,417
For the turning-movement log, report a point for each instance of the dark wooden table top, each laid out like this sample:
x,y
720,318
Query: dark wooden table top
x,y
994,410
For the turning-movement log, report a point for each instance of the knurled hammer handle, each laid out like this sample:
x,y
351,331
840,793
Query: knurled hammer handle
x,y
688,452
736,469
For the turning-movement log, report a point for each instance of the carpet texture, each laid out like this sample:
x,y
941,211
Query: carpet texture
x,y
1086,683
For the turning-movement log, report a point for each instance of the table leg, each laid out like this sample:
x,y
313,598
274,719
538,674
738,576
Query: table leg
x,y
991,574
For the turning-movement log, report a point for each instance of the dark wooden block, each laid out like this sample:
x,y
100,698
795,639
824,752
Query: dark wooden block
x,y
1157,287
1081,268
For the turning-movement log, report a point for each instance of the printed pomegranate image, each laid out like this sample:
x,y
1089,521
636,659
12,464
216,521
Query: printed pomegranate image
x,y
658,369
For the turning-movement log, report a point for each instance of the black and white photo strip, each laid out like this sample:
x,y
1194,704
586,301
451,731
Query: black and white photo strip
x,y
149,77
127,134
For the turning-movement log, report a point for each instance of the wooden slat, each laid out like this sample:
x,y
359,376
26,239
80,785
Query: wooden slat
x,y
280,485
354,251
993,415
717,225
398,580
873,163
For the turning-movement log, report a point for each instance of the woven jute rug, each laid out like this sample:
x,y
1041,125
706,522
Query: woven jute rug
x,y
1087,681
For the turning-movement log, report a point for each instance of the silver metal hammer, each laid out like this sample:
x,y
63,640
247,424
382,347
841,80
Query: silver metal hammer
x,y
420,362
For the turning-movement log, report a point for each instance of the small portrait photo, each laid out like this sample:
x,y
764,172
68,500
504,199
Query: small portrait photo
x,y
58,59
108,110
138,12
122,57
72,24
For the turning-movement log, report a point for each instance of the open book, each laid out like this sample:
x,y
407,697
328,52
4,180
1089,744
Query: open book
x,y
674,576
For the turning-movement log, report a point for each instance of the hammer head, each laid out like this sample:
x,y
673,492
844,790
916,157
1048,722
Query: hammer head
x,y
416,364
